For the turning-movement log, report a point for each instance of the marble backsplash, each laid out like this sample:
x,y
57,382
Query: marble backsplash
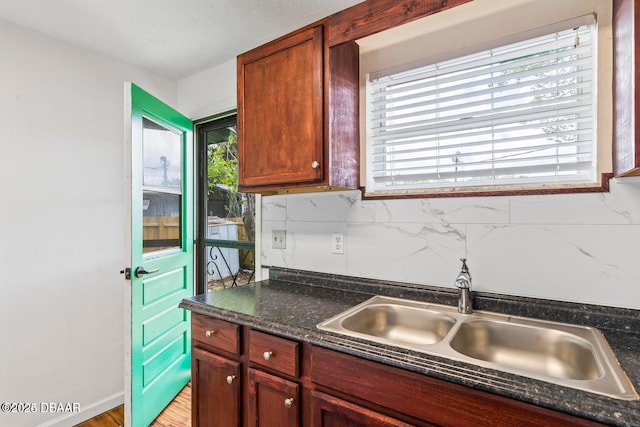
x,y
571,247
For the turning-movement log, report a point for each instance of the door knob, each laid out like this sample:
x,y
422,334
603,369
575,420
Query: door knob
x,y
315,164
288,403
140,271
230,379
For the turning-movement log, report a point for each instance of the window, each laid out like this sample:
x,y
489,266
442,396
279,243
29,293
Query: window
x,y
511,115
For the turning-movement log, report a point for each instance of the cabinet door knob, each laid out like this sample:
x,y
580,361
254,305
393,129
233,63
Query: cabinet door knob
x,y
315,164
230,379
267,355
288,403
209,333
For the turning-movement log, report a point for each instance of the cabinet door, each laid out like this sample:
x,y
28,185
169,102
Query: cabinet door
x,y
280,111
329,411
215,391
273,401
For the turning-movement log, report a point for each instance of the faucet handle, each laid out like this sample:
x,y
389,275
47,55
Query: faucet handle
x,y
465,269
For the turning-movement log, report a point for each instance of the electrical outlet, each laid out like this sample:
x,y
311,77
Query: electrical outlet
x,y
279,239
337,243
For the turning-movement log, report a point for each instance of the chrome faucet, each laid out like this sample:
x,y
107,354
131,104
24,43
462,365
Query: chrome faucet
x,y
463,282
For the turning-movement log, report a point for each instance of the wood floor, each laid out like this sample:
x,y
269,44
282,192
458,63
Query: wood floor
x,y
177,414
112,418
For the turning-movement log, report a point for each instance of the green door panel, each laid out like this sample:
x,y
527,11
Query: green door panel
x,y
162,245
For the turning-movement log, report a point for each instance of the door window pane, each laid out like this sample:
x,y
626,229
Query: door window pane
x,y
162,156
162,187
161,221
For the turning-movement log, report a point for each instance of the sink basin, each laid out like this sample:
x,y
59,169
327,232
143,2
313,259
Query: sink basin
x,y
528,348
387,320
397,323
560,353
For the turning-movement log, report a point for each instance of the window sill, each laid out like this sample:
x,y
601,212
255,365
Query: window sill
x,y
485,191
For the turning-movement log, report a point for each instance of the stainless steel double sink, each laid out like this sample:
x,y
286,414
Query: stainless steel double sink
x,y
564,354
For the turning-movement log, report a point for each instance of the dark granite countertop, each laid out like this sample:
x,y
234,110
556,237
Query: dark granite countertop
x,y
291,303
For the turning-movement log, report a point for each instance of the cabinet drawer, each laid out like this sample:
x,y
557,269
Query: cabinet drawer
x,y
279,354
216,333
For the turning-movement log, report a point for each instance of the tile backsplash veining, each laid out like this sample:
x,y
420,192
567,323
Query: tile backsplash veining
x,y
573,247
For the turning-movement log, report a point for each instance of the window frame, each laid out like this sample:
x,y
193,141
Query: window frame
x,y
603,156
202,242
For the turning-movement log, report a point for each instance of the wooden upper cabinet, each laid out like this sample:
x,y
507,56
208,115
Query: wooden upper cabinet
x,y
298,109
290,135
626,45
280,111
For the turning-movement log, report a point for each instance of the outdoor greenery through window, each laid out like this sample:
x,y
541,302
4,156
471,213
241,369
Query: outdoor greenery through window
x,y
519,114
227,230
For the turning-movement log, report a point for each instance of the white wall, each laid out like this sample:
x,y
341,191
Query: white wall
x,y
576,247
62,224
209,92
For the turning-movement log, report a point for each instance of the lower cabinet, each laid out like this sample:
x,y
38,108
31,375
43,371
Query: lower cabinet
x,y
244,377
423,400
273,401
215,387
329,411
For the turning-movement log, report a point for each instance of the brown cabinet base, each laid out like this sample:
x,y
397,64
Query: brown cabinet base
x,y
329,411
273,380
425,399
272,400
215,390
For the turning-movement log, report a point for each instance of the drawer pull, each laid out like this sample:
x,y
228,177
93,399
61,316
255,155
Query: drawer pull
x,y
230,379
267,355
288,403
209,333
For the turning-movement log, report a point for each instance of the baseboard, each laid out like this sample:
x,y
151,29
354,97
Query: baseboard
x,y
86,412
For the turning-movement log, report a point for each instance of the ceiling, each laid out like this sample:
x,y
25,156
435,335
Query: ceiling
x,y
170,38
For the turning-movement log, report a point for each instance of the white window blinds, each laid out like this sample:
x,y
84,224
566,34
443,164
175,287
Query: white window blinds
x,y
523,113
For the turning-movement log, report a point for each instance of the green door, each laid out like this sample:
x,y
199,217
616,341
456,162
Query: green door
x,y
161,255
